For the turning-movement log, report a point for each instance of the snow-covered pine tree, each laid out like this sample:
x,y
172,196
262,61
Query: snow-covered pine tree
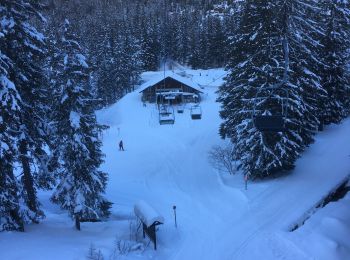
x,y
335,56
301,27
195,54
81,183
118,63
259,60
204,48
151,48
10,211
106,63
150,45
216,42
163,29
183,38
25,47
54,68
132,61
10,218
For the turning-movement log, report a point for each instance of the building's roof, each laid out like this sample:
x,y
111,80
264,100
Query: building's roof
x,y
160,77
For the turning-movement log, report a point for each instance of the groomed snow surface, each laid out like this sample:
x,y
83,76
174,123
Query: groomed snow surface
x,y
167,165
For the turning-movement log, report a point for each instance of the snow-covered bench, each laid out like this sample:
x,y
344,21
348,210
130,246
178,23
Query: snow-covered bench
x,y
149,218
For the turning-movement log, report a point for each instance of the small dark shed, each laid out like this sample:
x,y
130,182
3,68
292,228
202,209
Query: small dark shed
x,y
170,89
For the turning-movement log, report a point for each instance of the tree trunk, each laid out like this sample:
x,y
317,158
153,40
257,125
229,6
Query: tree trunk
x,y
15,216
77,222
28,182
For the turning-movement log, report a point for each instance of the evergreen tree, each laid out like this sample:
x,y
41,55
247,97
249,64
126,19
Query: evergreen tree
x,y
203,45
335,56
106,63
24,46
151,48
132,53
195,56
216,42
10,218
302,31
10,212
259,61
183,38
181,31
118,62
81,183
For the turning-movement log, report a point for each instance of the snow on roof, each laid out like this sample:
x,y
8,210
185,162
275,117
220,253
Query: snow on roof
x,y
146,213
161,76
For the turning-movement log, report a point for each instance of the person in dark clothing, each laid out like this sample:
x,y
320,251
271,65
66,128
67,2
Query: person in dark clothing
x,y
121,146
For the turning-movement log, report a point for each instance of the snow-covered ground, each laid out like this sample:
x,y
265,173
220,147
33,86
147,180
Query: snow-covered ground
x,y
167,165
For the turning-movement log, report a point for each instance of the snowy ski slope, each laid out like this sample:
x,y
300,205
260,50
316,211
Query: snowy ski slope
x,y
167,165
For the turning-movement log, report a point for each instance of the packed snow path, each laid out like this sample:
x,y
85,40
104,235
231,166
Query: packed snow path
x,y
218,219
167,165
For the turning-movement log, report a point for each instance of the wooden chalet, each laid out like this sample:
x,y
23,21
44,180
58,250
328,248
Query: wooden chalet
x,y
170,89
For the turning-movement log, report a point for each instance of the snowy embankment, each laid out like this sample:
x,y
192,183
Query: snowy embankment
x,y
167,165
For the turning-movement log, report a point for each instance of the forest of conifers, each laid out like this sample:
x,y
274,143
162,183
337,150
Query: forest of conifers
x,y
60,61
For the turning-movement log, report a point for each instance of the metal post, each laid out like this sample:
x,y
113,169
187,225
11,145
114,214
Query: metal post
x,y
77,221
174,208
155,238
246,181
164,72
143,229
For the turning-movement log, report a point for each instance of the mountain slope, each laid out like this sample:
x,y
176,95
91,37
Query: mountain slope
x,y
217,218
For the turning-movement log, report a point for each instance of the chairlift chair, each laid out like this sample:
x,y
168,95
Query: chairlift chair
x,y
274,122
166,115
180,107
196,112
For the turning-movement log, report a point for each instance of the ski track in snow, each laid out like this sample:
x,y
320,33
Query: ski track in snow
x,y
167,165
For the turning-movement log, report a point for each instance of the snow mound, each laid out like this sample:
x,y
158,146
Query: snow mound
x,y
147,214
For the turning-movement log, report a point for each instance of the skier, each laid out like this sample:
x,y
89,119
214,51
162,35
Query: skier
x,y
121,147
